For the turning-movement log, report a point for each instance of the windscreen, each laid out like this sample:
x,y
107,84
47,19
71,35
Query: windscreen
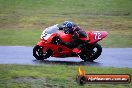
x,y
48,31
52,29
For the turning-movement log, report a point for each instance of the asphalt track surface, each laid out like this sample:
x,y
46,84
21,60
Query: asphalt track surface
x,y
111,57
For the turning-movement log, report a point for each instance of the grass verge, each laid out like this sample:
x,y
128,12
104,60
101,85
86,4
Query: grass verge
x,y
53,76
21,21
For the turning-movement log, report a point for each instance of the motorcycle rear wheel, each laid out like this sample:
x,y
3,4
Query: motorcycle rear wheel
x,y
38,53
91,53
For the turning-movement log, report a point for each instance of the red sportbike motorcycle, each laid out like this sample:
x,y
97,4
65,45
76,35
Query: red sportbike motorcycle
x,y
49,45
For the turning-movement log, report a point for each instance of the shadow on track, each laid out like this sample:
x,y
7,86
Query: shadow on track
x,y
66,63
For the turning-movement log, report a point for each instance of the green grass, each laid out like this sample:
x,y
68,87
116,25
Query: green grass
x,y
21,21
19,37
53,76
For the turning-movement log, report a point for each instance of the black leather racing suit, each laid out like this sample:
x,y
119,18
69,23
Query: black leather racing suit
x,y
79,39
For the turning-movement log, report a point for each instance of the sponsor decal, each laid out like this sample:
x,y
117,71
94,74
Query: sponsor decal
x,y
83,78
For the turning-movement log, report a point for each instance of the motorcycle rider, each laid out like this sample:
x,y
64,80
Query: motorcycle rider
x,y
79,37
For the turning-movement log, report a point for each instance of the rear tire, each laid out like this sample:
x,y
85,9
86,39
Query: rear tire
x,y
90,54
39,54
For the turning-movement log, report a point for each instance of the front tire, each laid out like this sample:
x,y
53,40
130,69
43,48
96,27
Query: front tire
x,y
39,54
91,52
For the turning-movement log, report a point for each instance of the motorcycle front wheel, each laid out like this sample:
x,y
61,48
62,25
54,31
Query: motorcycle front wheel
x,y
39,54
91,52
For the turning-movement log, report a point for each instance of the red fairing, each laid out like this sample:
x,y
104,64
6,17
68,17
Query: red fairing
x,y
41,43
96,36
65,37
60,50
51,37
76,50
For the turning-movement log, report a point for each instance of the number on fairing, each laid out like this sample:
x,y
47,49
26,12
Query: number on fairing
x,y
97,35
